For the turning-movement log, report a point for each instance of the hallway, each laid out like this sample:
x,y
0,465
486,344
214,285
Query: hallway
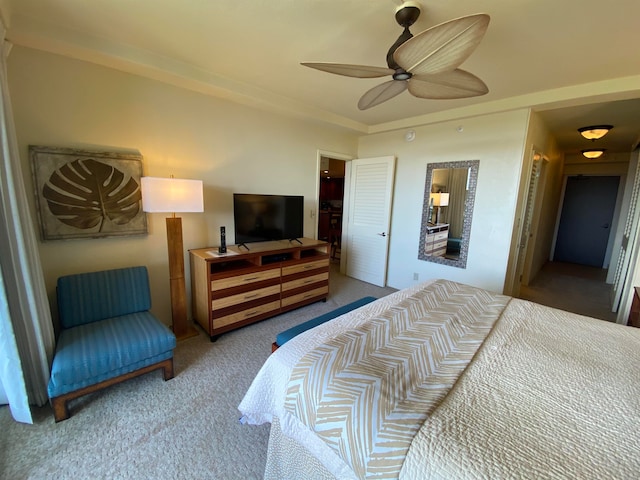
x,y
571,287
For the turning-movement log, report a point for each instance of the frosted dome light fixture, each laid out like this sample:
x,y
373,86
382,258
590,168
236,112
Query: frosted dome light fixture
x,y
593,153
595,132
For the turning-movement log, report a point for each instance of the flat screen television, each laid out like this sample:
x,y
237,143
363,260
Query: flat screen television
x,y
260,218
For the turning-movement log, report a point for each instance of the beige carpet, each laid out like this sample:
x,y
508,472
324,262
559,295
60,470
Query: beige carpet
x,y
574,288
186,428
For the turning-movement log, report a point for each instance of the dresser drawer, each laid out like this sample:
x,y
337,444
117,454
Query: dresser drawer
x,y
246,279
304,267
301,297
244,297
302,282
440,236
245,314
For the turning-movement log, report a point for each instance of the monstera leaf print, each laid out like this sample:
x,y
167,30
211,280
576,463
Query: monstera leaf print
x,y
84,193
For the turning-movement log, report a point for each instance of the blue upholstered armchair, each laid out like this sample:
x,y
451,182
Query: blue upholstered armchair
x,y
107,334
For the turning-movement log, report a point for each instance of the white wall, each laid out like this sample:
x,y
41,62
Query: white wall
x,y
497,141
232,148
538,140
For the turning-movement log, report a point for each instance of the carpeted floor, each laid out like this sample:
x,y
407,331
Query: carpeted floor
x,y
186,428
574,288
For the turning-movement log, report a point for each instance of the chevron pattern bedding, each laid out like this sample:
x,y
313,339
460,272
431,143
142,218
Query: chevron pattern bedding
x,y
367,392
511,389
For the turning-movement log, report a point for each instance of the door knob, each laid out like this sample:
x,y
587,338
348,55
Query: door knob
x,y
383,234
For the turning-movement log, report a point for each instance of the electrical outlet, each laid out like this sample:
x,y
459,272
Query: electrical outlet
x,y
415,276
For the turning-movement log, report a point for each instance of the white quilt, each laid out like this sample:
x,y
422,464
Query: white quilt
x,y
550,395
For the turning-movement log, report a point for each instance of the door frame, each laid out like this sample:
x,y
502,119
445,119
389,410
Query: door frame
x,y
345,157
512,281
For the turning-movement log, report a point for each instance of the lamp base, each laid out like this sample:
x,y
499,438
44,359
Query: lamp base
x,y
181,326
187,332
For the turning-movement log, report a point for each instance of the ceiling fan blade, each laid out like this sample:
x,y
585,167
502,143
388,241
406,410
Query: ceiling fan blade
x,y
383,92
443,47
358,71
455,84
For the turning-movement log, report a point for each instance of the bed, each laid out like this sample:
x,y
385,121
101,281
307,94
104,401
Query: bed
x,y
445,380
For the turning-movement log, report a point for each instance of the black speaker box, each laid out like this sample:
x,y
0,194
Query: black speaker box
x,y
223,241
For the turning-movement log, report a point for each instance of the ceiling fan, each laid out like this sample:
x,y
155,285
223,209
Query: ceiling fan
x,y
425,64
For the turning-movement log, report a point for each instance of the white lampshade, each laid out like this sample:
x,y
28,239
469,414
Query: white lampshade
x,y
171,195
440,199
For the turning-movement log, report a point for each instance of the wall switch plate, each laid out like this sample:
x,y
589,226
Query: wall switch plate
x,y
415,276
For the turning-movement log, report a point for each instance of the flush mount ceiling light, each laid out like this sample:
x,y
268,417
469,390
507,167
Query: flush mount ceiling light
x,y
595,132
594,153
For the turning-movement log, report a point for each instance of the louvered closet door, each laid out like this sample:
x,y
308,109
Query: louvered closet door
x,y
629,241
528,220
368,218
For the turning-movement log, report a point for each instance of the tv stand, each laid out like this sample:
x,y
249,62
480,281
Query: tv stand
x,y
295,240
248,286
243,245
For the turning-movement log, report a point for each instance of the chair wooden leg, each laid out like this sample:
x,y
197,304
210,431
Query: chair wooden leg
x,y
59,404
60,409
167,370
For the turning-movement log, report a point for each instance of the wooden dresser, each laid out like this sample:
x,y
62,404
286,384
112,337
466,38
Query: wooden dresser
x,y
435,242
245,286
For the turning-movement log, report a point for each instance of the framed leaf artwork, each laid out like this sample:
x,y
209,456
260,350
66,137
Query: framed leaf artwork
x,y
87,194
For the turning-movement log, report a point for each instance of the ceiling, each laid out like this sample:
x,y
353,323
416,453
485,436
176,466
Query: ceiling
x,y
250,51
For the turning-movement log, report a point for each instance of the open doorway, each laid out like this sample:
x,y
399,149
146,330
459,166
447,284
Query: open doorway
x,y
574,277
330,203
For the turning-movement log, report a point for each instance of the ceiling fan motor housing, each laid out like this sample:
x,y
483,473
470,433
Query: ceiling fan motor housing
x,y
407,14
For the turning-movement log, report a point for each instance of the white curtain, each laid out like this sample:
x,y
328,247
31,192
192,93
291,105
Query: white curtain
x,y
27,338
457,200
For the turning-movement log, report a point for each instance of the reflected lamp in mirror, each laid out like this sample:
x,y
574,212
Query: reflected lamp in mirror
x,y
439,200
173,195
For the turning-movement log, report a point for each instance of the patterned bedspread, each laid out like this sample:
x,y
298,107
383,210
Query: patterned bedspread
x,y
367,392
444,380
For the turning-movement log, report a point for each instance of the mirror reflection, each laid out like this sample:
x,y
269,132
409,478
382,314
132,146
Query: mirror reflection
x,y
447,212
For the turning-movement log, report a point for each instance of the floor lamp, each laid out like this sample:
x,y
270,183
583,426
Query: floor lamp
x,y
173,195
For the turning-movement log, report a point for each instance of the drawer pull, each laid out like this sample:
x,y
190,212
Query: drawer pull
x,y
250,314
250,279
308,281
247,297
